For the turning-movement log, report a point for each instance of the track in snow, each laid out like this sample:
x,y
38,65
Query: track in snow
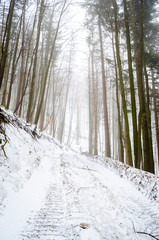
x,y
50,221
53,220
87,202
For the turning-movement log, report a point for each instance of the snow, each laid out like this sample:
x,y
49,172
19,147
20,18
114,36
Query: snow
x,y
50,192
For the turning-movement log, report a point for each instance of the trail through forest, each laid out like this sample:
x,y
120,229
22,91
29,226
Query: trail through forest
x,y
81,200
79,113
49,192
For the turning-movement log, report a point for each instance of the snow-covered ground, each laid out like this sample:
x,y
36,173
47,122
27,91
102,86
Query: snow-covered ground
x,y
49,192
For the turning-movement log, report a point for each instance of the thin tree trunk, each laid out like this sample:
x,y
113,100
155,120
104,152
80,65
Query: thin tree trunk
x,y
121,147
14,65
70,125
22,61
6,76
94,107
90,109
64,110
148,110
155,111
2,29
106,124
26,70
6,39
25,88
78,127
42,114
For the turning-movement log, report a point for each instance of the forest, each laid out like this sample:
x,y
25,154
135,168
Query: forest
x,y
85,72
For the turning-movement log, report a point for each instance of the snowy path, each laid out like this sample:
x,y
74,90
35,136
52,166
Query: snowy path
x,y
86,201
52,220
82,200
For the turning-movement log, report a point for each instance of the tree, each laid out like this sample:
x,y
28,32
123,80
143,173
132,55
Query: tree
x,y
106,124
143,115
94,104
124,106
121,147
132,88
31,94
5,42
52,54
21,79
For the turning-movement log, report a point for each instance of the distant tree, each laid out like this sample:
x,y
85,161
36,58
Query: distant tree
x,y
105,105
90,137
121,147
94,98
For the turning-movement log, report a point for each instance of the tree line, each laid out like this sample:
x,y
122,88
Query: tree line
x,y
35,74
123,35
37,64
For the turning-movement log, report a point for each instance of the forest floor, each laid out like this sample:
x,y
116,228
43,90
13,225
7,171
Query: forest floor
x,y
50,192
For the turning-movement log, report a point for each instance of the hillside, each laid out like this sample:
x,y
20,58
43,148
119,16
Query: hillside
x,y
49,192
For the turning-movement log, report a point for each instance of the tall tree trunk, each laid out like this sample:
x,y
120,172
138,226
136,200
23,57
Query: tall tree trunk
x,y
27,70
6,39
127,134
64,110
49,62
53,103
31,94
143,116
90,108
155,111
22,61
121,147
2,30
43,111
106,124
148,109
26,81
147,148
94,107
42,117
6,76
6,72
132,89
14,64
78,126
70,123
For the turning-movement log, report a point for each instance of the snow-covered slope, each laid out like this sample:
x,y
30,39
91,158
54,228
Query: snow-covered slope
x,y
50,192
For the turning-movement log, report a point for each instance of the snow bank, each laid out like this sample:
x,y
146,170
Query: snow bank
x,y
86,197
145,182
23,152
